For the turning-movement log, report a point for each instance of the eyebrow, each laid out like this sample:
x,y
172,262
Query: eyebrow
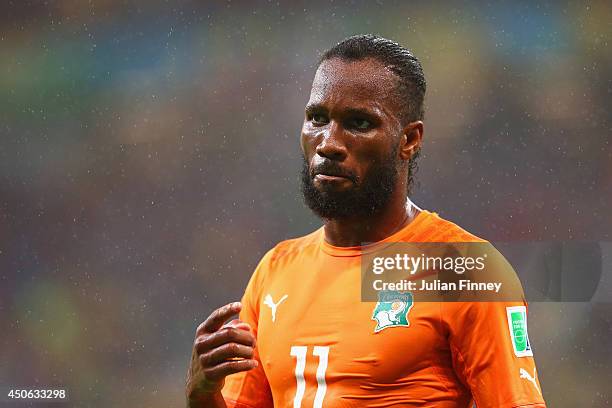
x,y
316,107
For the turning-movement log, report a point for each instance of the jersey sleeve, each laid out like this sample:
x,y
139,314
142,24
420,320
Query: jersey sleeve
x,y
250,389
491,351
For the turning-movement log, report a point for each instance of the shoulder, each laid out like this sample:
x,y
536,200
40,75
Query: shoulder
x,y
290,248
433,228
282,254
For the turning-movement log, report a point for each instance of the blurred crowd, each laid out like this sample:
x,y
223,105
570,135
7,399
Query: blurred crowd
x,y
149,157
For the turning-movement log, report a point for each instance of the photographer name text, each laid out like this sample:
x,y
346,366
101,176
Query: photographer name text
x,y
437,285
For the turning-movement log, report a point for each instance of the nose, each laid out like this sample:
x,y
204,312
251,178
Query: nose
x,y
332,146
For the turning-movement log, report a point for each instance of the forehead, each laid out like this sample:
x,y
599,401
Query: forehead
x,y
353,83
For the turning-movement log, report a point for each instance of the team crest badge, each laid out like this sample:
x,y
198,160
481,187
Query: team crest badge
x,y
392,309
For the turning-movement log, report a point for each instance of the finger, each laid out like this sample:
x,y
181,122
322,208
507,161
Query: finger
x,y
216,319
231,367
208,342
224,352
239,324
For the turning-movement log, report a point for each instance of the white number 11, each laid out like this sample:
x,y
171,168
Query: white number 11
x,y
300,353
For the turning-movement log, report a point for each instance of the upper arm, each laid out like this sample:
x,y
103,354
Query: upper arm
x,y
492,354
489,340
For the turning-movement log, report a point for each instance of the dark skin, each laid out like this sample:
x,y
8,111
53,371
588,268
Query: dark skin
x,y
218,350
353,119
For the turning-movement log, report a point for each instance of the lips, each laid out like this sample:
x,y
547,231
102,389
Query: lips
x,y
330,174
329,178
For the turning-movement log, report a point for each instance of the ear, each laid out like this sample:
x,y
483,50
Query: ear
x,y
412,136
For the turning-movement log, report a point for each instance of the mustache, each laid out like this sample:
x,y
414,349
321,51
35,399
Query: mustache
x,y
332,168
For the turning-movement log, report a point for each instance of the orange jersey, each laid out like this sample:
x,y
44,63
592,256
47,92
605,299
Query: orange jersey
x,y
319,345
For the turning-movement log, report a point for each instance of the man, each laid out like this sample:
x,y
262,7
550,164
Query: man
x,y
305,338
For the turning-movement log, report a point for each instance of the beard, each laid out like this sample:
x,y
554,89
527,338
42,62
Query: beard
x,y
367,197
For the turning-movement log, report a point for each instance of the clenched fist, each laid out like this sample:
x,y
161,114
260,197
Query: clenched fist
x,y
218,351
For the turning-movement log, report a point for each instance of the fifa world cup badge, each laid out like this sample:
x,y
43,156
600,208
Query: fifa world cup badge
x,y
392,309
517,324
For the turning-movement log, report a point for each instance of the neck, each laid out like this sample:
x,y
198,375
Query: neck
x,y
357,231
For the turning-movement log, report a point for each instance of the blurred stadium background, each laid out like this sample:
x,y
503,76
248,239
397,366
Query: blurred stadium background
x,y
149,157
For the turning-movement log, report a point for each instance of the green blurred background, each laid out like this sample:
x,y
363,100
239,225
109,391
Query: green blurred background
x,y
149,157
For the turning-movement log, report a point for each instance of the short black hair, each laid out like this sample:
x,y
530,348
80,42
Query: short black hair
x,y
411,84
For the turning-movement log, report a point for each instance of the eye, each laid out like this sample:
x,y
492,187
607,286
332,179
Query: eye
x,y
318,119
360,123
